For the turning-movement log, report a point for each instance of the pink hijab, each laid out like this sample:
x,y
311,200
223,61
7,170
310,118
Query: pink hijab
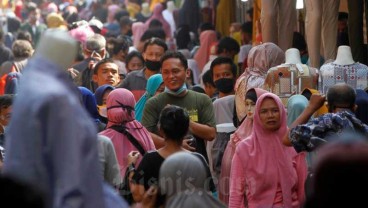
x,y
260,59
206,39
111,11
157,14
271,171
243,131
120,111
138,29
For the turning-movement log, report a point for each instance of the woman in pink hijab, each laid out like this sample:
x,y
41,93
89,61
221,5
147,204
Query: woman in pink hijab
x,y
138,29
263,170
207,39
120,112
260,59
157,14
243,131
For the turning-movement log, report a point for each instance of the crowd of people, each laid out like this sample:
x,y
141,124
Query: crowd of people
x,y
148,104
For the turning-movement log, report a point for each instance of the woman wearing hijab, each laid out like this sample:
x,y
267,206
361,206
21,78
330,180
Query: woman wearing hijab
x,y
138,29
295,106
101,94
157,14
263,170
243,131
155,85
260,59
183,181
120,112
106,151
207,39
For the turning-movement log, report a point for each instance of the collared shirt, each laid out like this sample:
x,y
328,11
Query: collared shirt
x,y
308,137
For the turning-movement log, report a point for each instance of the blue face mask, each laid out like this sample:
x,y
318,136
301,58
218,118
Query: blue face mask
x,y
178,92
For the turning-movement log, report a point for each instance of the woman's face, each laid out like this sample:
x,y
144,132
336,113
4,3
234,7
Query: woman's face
x,y
135,64
249,106
269,114
160,89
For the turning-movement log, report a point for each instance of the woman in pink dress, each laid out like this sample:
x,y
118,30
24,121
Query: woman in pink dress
x,y
264,171
243,131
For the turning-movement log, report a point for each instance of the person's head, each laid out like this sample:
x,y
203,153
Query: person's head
x,y
106,72
295,106
6,102
155,24
149,34
174,123
118,48
223,72
155,85
205,26
24,35
120,106
249,15
182,36
246,32
345,162
228,47
174,67
269,113
181,172
340,96
263,57
153,50
299,42
235,27
22,49
342,21
95,46
209,85
126,25
34,14
134,61
250,102
89,102
101,94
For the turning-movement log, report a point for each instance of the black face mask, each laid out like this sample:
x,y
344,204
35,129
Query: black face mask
x,y
153,65
225,85
129,33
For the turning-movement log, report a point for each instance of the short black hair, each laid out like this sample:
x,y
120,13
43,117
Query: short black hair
x,y
155,23
174,122
103,61
228,43
6,100
133,54
206,26
153,33
115,45
247,27
207,78
223,60
341,96
175,54
299,42
155,41
125,20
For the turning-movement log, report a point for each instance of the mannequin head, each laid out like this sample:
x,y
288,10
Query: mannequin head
x,y
292,56
170,6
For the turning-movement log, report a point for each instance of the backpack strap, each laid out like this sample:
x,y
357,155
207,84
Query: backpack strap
x,y
123,130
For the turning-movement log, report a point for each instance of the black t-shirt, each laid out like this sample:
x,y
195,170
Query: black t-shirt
x,y
149,168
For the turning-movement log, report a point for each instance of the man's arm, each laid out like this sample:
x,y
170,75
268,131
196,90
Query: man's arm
x,y
316,101
202,130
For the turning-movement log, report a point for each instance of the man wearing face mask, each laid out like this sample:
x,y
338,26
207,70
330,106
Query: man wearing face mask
x,y
33,25
136,81
223,72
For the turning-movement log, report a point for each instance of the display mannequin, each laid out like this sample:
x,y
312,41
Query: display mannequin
x,y
169,17
55,148
344,56
321,16
278,20
291,77
145,13
343,70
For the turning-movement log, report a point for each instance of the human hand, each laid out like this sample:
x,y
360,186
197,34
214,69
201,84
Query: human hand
x,y
316,101
189,143
149,197
133,157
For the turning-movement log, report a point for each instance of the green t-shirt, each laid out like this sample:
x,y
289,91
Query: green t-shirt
x,y
198,105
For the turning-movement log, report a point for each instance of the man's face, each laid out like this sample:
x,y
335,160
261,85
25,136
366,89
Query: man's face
x,y
5,115
222,71
173,73
33,16
107,73
153,53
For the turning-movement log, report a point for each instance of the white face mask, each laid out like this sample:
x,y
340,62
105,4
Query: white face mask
x,y
102,110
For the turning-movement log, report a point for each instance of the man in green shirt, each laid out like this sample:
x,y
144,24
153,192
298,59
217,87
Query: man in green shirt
x,y
174,68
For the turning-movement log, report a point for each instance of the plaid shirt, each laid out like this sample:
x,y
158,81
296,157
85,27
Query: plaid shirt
x,y
308,137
